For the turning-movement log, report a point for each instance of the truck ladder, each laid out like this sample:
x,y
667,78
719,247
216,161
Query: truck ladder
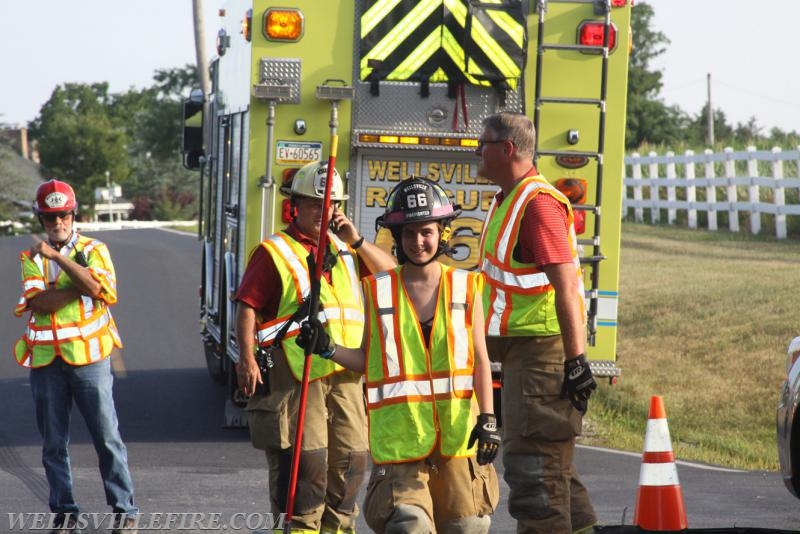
x,y
602,7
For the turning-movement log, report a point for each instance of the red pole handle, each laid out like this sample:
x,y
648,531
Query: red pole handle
x,y
313,310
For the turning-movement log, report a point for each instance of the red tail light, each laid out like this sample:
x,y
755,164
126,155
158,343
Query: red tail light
x,y
591,33
575,190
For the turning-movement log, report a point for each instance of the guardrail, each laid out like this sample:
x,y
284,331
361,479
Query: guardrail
x,y
761,187
121,225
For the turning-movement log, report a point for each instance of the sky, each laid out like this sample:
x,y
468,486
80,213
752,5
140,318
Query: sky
x,y
747,46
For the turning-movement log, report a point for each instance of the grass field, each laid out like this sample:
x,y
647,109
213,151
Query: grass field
x,y
704,321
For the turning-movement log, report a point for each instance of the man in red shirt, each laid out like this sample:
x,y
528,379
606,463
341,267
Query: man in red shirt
x,y
535,325
277,280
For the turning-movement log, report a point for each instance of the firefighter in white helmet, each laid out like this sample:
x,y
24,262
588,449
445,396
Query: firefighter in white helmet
x,y
429,391
68,281
270,308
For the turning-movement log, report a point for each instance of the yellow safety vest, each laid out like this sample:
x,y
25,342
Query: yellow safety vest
x,y
418,396
444,41
83,331
518,299
341,307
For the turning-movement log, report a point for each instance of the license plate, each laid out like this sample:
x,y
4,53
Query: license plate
x,y
293,153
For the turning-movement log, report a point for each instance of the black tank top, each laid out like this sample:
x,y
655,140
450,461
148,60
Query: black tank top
x,y
426,327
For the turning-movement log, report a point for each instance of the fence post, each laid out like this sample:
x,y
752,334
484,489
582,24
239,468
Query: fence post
x,y
691,196
779,198
671,211
730,177
711,191
655,210
638,210
753,191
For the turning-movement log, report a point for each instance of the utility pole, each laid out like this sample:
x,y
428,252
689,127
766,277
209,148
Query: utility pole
x,y
200,47
203,74
110,197
710,114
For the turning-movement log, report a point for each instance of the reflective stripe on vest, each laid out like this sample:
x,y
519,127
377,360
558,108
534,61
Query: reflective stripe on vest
x,y
415,389
36,283
300,270
68,333
443,40
418,396
341,305
517,291
267,332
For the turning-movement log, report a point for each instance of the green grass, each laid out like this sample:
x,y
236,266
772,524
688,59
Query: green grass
x,y
704,321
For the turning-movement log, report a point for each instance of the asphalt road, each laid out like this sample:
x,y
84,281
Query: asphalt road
x,y
182,460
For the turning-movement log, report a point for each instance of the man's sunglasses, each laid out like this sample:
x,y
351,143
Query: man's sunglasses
x,y
51,217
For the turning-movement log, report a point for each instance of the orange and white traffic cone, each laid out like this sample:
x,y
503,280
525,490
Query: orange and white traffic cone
x,y
659,502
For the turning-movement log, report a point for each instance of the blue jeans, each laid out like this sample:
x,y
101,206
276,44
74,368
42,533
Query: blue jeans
x,y
54,388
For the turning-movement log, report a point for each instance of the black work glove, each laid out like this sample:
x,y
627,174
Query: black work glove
x,y
488,437
578,382
313,335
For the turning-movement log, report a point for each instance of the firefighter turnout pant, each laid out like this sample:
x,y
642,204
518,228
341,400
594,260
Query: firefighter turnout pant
x,y
539,430
334,457
454,495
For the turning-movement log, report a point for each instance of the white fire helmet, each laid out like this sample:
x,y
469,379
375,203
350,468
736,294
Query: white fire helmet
x,y
309,181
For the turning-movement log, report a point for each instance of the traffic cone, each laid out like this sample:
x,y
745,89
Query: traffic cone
x,y
659,501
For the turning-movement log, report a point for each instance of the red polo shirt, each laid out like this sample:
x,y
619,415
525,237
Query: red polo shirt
x,y
544,231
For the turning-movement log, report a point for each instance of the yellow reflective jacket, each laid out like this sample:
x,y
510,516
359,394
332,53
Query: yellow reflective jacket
x,y
419,396
83,331
517,298
341,307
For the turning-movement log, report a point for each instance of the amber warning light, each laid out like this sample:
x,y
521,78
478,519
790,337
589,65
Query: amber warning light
x,y
247,25
283,24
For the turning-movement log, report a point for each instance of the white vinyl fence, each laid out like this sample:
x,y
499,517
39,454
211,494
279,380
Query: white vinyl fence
x,y
715,190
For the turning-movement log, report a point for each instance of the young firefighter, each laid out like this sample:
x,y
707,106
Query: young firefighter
x,y
68,286
333,461
425,361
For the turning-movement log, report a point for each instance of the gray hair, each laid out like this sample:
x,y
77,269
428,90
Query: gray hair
x,y
515,127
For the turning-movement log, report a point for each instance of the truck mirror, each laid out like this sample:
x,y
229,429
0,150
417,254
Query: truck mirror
x,y
192,139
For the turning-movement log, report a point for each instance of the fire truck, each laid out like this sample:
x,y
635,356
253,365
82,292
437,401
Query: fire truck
x,y
404,85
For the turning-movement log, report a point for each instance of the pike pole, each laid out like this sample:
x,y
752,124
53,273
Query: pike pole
x,y
327,93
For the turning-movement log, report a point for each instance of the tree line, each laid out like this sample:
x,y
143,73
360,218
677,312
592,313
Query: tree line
x,y
83,131
651,123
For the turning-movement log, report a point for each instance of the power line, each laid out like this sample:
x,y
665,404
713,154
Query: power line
x,y
759,95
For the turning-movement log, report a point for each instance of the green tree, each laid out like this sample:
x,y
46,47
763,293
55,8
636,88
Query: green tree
x,y
84,132
747,133
19,178
649,120
778,137
159,186
79,140
723,132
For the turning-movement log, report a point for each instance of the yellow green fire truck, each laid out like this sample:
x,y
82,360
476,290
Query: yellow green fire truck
x,y
405,85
